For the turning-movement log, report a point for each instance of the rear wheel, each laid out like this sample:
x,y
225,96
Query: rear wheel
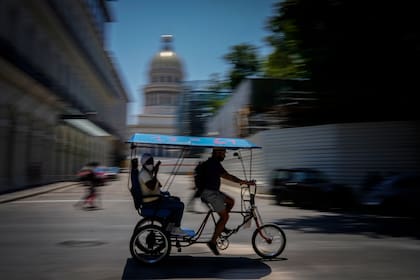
x,y
149,221
149,244
268,241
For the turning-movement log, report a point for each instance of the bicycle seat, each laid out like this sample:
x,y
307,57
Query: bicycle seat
x,y
151,212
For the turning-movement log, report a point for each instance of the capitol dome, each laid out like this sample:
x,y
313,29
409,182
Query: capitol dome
x,y
162,94
165,59
166,66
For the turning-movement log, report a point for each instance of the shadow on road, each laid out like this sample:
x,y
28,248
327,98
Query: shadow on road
x,y
370,225
184,267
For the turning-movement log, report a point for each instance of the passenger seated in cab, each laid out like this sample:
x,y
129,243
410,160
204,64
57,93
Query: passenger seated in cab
x,y
153,196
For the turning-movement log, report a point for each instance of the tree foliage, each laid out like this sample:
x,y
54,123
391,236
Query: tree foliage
x,y
286,60
244,61
362,56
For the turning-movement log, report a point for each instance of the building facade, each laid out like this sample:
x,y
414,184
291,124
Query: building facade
x,y
62,102
197,107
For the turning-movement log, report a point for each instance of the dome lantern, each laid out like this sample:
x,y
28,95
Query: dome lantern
x,y
166,63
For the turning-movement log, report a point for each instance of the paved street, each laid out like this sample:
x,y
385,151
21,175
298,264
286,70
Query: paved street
x,y
45,237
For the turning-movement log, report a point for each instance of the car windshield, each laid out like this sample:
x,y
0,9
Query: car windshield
x,y
308,176
100,169
113,169
405,182
282,175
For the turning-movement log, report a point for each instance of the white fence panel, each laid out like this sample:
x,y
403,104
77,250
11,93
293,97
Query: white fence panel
x,y
345,152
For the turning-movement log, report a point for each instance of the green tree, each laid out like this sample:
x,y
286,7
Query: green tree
x,y
244,61
285,61
362,56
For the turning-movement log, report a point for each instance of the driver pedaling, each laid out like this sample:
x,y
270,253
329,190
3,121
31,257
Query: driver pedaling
x,y
151,241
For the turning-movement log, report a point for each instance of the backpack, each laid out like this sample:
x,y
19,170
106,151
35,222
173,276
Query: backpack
x,y
199,177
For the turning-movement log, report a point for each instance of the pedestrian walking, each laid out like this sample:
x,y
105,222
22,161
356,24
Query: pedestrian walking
x,y
89,177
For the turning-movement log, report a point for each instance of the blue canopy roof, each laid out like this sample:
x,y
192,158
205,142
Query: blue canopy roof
x,y
189,141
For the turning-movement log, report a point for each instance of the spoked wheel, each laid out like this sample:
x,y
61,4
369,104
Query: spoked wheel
x,y
149,244
268,241
149,221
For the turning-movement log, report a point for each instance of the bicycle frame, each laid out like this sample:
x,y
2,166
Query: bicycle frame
x,y
249,211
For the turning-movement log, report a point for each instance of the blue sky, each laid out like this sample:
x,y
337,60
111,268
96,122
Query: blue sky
x,y
203,31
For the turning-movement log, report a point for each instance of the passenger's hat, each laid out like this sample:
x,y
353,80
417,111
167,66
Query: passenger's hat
x,y
145,157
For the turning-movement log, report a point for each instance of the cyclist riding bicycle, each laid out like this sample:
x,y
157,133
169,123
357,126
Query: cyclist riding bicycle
x,y
211,194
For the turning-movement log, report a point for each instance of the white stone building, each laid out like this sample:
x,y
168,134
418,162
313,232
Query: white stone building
x,y
62,103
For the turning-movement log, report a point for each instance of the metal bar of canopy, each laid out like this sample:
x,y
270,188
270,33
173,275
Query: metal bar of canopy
x,y
187,141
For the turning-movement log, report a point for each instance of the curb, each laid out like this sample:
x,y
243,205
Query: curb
x,y
21,194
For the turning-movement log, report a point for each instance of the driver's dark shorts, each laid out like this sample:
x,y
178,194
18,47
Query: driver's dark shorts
x,y
215,198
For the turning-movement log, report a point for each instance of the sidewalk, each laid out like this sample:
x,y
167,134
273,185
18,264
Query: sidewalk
x,y
12,196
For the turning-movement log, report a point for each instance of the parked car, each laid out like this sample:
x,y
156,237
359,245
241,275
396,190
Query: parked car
x,y
109,173
309,187
397,194
112,172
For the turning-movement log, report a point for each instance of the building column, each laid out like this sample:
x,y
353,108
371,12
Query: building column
x,y
5,146
19,150
55,168
35,159
60,152
47,153
66,153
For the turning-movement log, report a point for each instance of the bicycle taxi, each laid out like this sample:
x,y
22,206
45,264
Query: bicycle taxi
x,y
151,241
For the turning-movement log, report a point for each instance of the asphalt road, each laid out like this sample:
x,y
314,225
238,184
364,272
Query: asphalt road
x,y
44,236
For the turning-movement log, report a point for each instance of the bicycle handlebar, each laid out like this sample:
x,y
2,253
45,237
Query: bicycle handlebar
x,y
250,183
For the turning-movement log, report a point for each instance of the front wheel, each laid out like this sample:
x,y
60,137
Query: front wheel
x,y
268,241
149,244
